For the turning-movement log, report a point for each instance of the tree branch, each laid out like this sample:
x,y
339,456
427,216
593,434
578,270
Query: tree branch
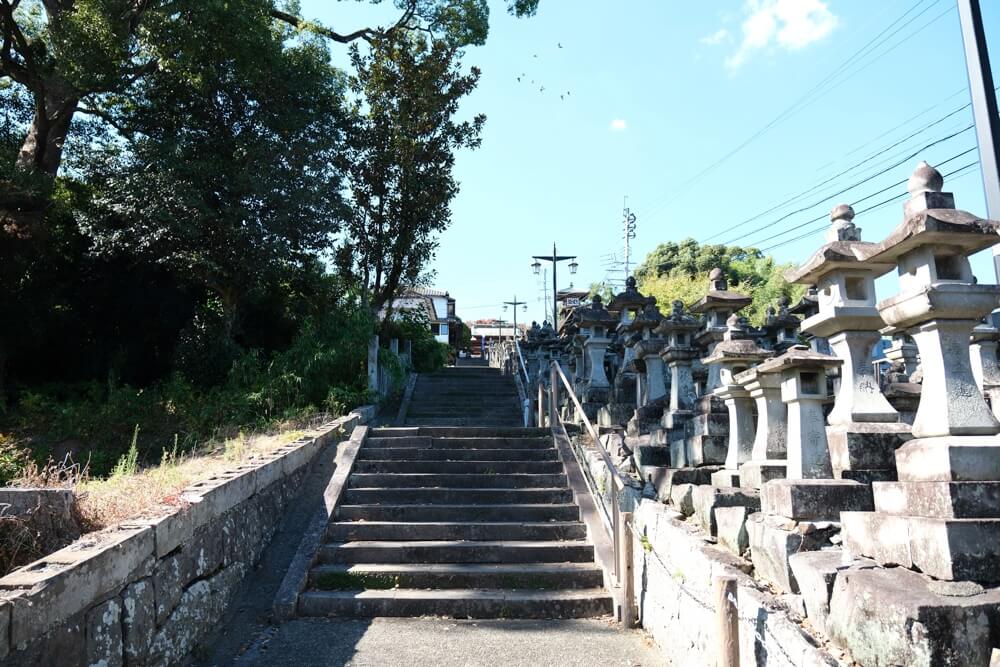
x,y
366,34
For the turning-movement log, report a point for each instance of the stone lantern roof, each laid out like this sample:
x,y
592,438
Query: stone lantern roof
x,y
648,318
844,250
799,356
593,315
719,295
736,346
630,299
677,320
808,304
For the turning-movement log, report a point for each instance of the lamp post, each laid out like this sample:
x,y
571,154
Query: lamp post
x,y
555,259
515,303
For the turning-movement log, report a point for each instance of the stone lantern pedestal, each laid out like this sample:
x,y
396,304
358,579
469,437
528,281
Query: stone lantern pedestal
x,y
768,453
943,515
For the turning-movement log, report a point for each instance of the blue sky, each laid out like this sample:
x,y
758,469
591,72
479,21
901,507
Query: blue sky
x,y
645,98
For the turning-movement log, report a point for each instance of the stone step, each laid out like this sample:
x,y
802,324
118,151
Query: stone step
x,y
454,496
466,417
527,576
454,481
460,603
455,530
459,467
460,421
460,432
427,442
446,551
414,454
530,513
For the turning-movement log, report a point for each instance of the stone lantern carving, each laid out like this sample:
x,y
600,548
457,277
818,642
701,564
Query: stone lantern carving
x,y
733,355
943,515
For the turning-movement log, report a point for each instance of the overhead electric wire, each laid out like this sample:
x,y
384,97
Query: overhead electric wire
x,y
815,187
802,101
885,202
850,187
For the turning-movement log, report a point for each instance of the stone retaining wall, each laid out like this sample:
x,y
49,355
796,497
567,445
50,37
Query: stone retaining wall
x,y
674,567
145,592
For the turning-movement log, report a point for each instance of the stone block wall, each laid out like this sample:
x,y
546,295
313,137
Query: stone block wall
x,y
146,591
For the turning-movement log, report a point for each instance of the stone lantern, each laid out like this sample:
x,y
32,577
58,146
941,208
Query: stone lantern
x,y
985,366
595,324
767,455
628,305
781,328
734,354
715,308
943,515
646,348
864,428
678,329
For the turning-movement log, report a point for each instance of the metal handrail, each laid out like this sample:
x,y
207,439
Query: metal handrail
x,y
524,366
617,479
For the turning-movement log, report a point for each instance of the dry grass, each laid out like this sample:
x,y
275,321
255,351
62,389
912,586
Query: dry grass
x,y
131,493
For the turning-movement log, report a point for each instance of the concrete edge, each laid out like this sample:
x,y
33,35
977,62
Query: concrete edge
x,y
404,405
287,598
597,529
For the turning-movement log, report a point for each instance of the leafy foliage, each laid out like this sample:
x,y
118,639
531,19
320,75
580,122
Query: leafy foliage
x,y
399,161
680,271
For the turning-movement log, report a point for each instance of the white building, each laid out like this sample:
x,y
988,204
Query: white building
x,y
437,305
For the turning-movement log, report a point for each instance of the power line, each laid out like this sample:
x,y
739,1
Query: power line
x,y
873,207
801,102
850,187
841,173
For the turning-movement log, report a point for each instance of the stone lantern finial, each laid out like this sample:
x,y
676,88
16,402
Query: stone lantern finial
x,y
630,283
842,227
717,281
925,187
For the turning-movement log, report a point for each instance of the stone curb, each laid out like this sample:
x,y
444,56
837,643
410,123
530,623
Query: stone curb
x,y
404,405
287,597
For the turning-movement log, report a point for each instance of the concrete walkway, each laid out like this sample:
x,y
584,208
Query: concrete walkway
x,y
406,642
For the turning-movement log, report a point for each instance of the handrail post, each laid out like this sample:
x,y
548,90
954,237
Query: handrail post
x,y
541,403
627,580
727,625
553,394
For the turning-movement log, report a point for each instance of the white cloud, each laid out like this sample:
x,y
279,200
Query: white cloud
x,y
715,38
787,24
618,125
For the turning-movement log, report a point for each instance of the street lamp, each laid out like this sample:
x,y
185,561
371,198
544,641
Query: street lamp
x,y
515,303
555,259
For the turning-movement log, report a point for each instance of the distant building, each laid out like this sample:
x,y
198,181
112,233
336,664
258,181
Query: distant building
x,y
437,305
487,331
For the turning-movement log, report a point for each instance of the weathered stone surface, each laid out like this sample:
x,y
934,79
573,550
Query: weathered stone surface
x,y
666,478
754,474
774,539
725,478
883,537
104,634
815,499
63,645
138,620
865,446
731,529
948,459
68,581
708,498
946,500
5,608
815,572
682,498
652,455
891,617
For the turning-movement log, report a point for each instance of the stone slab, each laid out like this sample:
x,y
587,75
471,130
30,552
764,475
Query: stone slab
x,y
895,617
702,450
682,498
665,479
815,572
949,459
754,474
731,529
814,499
882,537
652,455
708,498
726,478
865,446
945,500
774,539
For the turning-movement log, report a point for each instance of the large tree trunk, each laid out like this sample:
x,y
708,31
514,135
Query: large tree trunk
x,y
42,150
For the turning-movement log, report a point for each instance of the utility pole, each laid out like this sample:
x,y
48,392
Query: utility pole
x,y
555,259
628,223
984,108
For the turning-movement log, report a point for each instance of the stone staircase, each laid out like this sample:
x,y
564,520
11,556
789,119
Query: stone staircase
x,y
464,396
465,522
